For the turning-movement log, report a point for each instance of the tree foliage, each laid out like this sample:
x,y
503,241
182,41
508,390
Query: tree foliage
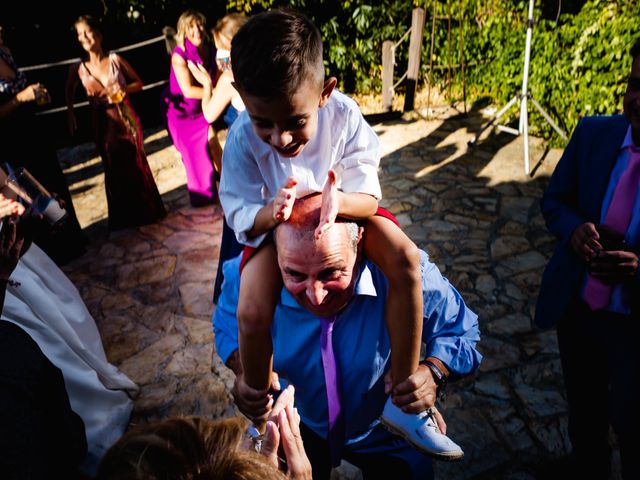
x,y
579,63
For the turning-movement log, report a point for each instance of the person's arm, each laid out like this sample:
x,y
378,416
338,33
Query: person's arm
x,y
26,95
214,100
276,211
450,332
73,79
358,166
225,323
134,83
450,329
253,403
185,80
241,185
559,204
10,249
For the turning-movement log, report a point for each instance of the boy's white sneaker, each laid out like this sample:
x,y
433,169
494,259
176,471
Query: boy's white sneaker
x,y
421,431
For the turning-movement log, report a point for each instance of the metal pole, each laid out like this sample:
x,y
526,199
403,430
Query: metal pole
x,y
524,118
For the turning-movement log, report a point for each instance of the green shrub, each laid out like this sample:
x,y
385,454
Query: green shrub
x,y
579,65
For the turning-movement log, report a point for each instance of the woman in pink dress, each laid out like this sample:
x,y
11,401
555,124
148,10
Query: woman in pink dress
x,y
190,131
108,79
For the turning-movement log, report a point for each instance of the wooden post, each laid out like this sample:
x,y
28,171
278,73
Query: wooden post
x,y
388,63
169,38
415,46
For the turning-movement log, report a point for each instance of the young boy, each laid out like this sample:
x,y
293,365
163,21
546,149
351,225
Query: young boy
x,y
301,136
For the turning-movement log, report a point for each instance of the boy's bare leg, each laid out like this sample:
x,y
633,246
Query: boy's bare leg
x,y
260,285
399,259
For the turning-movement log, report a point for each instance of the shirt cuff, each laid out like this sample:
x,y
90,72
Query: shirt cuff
x,y
244,223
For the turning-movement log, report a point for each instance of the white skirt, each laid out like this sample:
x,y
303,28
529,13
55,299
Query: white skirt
x,y
45,304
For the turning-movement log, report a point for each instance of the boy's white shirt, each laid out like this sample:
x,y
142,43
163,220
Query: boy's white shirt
x,y
253,171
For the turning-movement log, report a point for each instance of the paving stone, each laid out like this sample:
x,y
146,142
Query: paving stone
x,y
497,354
520,263
150,270
513,324
184,241
159,353
191,360
197,298
553,435
199,331
492,385
509,245
540,403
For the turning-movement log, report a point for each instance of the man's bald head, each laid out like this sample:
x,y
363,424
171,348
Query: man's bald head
x,y
299,229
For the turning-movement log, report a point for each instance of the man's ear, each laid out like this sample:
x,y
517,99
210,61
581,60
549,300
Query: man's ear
x,y
327,89
360,242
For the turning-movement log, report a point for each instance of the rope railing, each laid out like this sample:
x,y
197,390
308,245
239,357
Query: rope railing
x,y
69,61
85,103
166,38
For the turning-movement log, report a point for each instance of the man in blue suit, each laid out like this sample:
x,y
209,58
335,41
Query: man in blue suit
x,y
591,286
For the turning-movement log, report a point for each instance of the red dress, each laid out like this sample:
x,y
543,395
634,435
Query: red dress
x,y
132,195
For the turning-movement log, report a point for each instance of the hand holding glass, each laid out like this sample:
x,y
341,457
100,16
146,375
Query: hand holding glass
x,y
115,93
32,194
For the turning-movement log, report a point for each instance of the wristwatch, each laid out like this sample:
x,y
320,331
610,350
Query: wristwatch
x,y
438,375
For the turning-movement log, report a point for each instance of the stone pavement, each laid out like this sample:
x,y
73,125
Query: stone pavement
x,y
475,213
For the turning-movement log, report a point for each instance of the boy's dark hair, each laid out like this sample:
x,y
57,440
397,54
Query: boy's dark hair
x,y
274,52
635,49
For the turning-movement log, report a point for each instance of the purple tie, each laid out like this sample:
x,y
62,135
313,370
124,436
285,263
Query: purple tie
x,y
336,424
596,293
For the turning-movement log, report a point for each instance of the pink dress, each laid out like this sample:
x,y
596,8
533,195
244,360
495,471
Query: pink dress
x,y
189,131
132,195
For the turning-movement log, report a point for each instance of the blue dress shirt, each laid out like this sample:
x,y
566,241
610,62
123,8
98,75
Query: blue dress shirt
x,y
361,343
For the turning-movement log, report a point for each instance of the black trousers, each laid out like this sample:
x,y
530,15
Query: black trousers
x,y
601,364
40,436
373,465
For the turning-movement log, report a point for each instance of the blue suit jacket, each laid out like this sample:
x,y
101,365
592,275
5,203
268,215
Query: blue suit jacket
x,y
573,196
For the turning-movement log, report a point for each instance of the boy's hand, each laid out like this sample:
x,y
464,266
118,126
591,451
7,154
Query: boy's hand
x,y
330,205
254,404
283,203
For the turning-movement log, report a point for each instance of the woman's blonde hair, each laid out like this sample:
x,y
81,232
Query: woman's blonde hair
x,y
191,448
184,22
228,25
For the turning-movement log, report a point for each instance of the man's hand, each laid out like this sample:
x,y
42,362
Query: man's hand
x,y
614,266
585,241
283,201
254,404
330,205
416,393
